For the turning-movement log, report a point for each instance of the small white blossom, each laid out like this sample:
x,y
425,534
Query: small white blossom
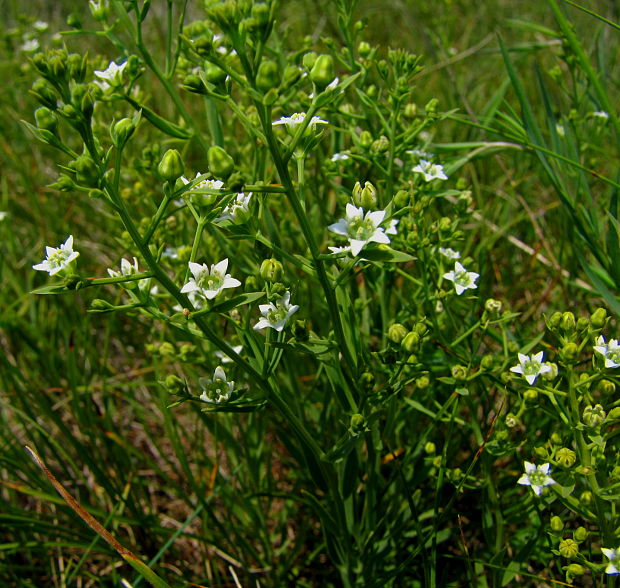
x,y
610,351
217,389
292,121
224,358
275,316
194,195
128,269
30,46
537,477
419,153
560,130
40,26
462,278
57,258
613,555
237,210
449,253
339,157
601,114
430,171
531,367
362,229
113,74
3,215
209,282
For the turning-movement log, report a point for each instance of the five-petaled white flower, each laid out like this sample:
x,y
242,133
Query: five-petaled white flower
x,y
30,46
362,229
449,253
462,278
613,555
275,316
196,197
209,282
236,210
113,74
292,121
610,351
531,367
217,389
536,476
57,258
128,269
339,157
430,171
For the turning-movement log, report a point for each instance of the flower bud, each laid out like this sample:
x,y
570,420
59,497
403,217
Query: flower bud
x,y
568,548
381,145
411,342
541,452
309,59
567,322
365,197
268,76
44,93
606,387
46,119
251,284
586,498
492,306
487,362
364,49
411,111
598,318
291,75
570,352
174,384
322,72
357,425
214,74
121,131
193,83
530,395
64,183
171,166
573,570
260,13
555,320
99,305
58,66
552,374
431,107
511,420
167,349
367,381
86,172
580,534
76,66
401,199
271,270
99,10
556,438
396,333
429,447
221,164
566,457
365,139
459,372
556,524
593,416
422,382
582,323
73,21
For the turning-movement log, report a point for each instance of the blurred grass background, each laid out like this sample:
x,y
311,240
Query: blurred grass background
x,y
82,389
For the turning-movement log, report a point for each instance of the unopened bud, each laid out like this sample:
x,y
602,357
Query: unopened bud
x,y
365,139
411,111
86,172
309,59
530,395
365,197
568,321
357,424
322,72
593,416
381,145
580,534
171,166
396,333
268,76
511,420
271,270
568,548
556,524
401,199
367,381
554,320
598,318
221,164
574,570
606,387
46,119
566,457
570,352
422,382
121,131
411,342
429,447
459,372
174,384
586,498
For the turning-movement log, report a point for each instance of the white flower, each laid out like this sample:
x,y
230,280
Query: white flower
x,y
449,253
113,74
30,46
292,121
531,367
339,250
430,171
462,278
275,316
361,230
613,555
40,26
3,215
127,269
339,157
237,210
195,196
603,116
57,258
209,282
218,389
610,351
224,358
560,130
537,477
420,154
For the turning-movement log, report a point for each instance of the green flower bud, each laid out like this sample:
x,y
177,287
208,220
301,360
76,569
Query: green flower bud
x,y
459,372
411,342
99,305
552,374
580,534
271,97
271,270
291,75
365,197
411,111
121,131
357,425
396,333
226,14
214,74
322,72
555,320
251,284
431,107
606,387
541,452
367,381
99,10
73,21
568,321
556,438
260,13
593,416
44,93
203,45
586,498
221,164
70,112
556,524
174,384
46,119
511,420
598,318
381,145
76,66
570,352
167,349
365,139
487,362
464,201
309,59
566,457
268,75
401,199
530,395
574,570
58,66
582,323
429,447
422,382
364,49
171,166
186,350
568,548
64,183
300,330
193,83
86,172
